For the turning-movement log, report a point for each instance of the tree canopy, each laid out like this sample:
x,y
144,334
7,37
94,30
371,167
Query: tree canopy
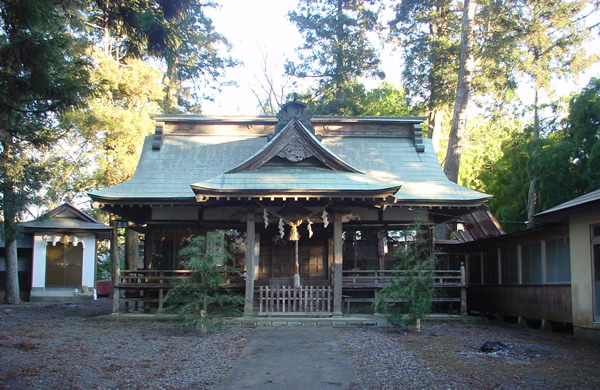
x,y
385,100
179,33
565,165
336,47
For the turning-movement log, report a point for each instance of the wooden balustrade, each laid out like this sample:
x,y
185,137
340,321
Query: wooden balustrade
x,y
377,278
148,287
145,287
298,300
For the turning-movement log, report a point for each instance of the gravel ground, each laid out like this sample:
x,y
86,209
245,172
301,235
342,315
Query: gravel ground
x,y
61,346
448,356
52,347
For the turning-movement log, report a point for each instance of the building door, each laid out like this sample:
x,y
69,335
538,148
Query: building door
x,y
595,230
63,265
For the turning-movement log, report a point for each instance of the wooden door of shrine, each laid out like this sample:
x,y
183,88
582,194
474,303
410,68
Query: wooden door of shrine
x,y
277,260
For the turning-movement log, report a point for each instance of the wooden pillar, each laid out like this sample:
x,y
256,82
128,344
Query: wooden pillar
x,y
250,242
337,264
114,263
463,290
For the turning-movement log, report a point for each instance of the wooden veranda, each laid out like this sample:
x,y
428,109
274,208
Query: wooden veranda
x,y
146,290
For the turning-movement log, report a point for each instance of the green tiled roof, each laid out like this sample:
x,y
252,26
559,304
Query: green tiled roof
x,y
385,161
295,179
65,218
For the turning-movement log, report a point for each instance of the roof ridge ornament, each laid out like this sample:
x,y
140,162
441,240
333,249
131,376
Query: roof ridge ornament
x,y
417,134
159,136
294,109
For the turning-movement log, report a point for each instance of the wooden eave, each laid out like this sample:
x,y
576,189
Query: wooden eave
x,y
283,138
101,201
204,194
64,230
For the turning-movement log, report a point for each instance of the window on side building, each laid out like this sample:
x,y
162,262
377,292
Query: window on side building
x,y
558,260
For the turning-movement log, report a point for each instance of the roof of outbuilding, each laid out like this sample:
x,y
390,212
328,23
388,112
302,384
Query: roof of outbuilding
x,y
65,218
564,209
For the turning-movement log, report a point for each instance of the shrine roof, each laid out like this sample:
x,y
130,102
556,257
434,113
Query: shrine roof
x,y
65,218
191,156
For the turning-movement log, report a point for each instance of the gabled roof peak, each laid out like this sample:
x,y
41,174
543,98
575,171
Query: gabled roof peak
x,y
295,142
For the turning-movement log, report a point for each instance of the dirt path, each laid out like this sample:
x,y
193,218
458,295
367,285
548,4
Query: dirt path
x,y
292,358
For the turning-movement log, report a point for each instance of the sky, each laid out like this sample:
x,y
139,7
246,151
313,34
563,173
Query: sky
x,y
260,28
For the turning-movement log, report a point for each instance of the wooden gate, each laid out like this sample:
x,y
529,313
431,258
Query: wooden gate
x,y
298,300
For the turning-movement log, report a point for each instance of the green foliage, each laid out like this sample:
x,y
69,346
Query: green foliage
x,y
385,100
568,157
199,301
482,147
429,34
408,297
551,38
336,47
508,181
103,270
568,153
177,32
44,73
583,131
105,139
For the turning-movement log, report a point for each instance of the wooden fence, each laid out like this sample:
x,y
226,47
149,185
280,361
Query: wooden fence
x,y
145,286
305,299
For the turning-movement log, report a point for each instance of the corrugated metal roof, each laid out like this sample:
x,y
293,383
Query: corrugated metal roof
x,y
183,160
477,225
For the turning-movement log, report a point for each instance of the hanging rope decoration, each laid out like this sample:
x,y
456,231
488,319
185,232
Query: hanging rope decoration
x,y
281,230
309,227
266,218
294,234
324,218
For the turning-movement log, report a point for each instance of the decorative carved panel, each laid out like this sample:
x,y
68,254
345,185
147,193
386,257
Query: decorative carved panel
x,y
294,151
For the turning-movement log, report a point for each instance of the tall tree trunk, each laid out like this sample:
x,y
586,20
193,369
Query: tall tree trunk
x,y
339,61
465,76
532,194
13,295
434,127
172,85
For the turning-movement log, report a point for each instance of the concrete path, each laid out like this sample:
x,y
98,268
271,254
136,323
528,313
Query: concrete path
x,y
289,358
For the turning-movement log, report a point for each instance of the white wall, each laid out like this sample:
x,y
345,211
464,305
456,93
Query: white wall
x,y
88,267
581,274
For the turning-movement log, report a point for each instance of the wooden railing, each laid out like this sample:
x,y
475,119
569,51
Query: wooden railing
x,y
148,287
376,278
442,279
145,286
304,299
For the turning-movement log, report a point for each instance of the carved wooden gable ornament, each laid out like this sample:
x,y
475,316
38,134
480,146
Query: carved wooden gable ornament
x,y
294,140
